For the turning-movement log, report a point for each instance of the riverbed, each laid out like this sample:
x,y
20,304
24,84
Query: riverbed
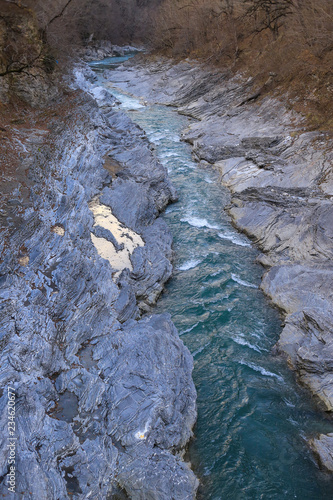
x,y
253,419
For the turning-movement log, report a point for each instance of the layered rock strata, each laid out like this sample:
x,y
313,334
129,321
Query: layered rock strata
x,y
105,402
281,180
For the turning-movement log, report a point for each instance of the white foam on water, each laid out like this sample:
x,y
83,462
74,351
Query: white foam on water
x,y
190,264
170,209
173,137
234,238
289,403
156,137
129,103
191,165
189,329
208,180
292,421
208,470
198,222
198,351
238,280
220,271
260,369
207,254
168,154
241,341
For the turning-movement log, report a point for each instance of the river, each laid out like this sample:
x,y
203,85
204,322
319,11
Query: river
x,y
253,418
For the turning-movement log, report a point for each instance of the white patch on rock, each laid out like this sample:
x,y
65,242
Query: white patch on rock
x,y
119,259
24,261
58,230
142,434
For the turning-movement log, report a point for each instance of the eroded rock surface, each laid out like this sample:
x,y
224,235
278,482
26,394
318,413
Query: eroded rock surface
x,y
105,402
281,180
100,49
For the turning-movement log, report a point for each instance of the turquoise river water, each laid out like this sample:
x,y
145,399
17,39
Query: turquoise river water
x,y
253,418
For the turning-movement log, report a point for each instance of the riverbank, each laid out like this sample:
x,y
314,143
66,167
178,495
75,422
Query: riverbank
x,y
105,399
281,184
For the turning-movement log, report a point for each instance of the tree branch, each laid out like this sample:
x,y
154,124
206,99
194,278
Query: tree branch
x,y
60,13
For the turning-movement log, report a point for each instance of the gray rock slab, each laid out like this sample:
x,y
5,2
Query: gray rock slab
x,y
90,376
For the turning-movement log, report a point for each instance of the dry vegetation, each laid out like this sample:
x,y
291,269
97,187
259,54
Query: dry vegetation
x,y
290,38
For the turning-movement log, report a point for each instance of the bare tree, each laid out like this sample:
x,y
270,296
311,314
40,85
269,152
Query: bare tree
x,y
314,25
269,14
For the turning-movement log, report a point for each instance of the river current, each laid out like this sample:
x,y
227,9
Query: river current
x,y
253,418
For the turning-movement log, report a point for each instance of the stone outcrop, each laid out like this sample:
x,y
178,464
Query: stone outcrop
x,y
101,49
281,180
105,402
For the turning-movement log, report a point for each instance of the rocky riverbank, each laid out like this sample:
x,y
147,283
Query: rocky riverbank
x,y
281,180
98,50
105,402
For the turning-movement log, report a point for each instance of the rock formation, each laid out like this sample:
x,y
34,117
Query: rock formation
x,y
105,402
281,180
